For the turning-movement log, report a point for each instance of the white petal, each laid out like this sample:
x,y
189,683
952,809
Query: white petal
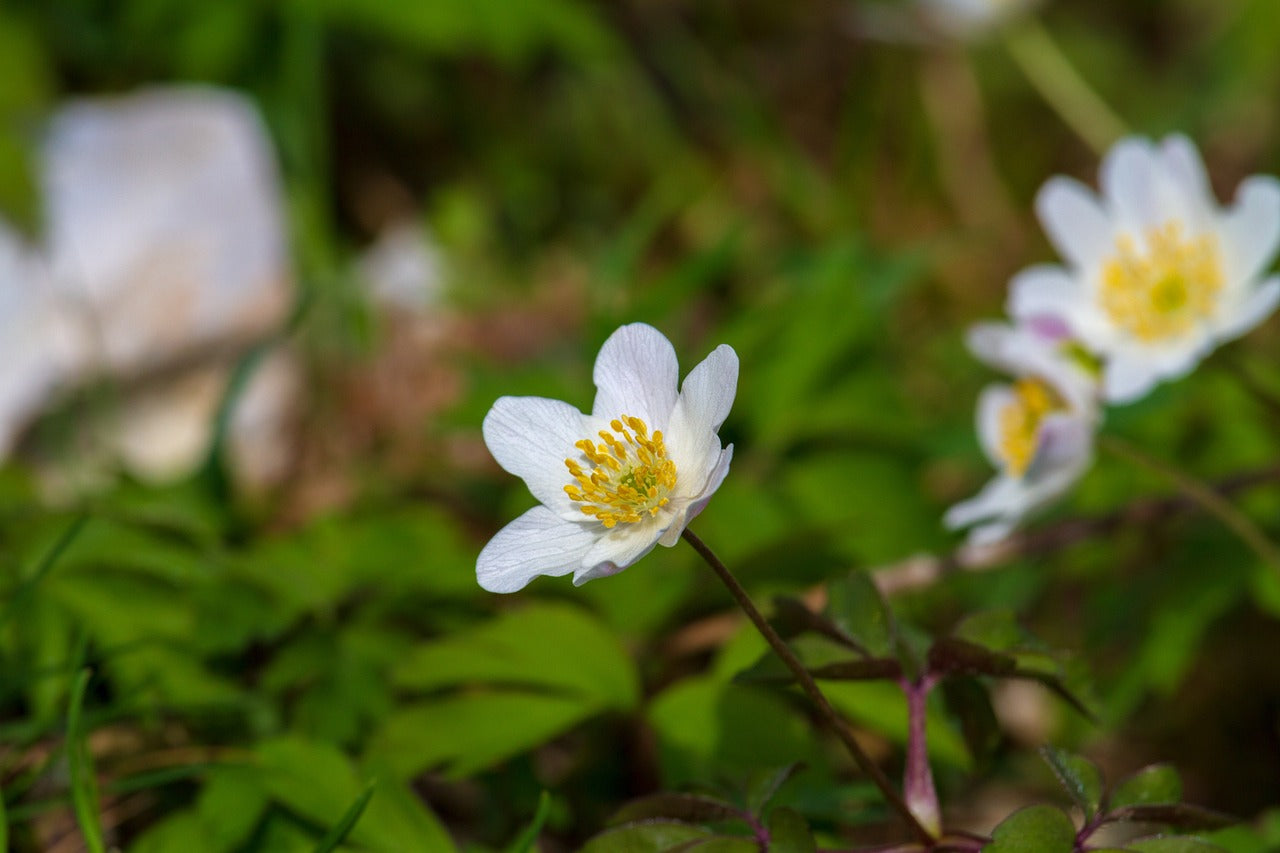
x,y
1126,377
705,400
1045,291
1182,164
1064,442
1075,222
537,543
636,374
1251,311
620,547
989,534
1130,184
531,437
1251,228
714,479
993,400
989,343
999,497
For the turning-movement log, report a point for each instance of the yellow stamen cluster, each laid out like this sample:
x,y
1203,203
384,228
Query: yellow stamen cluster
x,y
1163,290
1019,422
629,475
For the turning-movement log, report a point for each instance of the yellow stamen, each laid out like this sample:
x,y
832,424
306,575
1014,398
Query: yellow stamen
x,y
1161,290
630,478
1019,422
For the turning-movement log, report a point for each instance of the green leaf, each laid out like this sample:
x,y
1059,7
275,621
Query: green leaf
x,y
84,789
1035,829
549,647
718,844
650,837
856,606
1179,815
343,827
687,808
1079,776
1173,845
789,833
791,617
995,629
765,788
1152,785
529,837
968,701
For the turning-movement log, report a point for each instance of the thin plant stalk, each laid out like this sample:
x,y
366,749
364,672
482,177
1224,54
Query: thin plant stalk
x,y
917,784
1204,495
1056,79
810,688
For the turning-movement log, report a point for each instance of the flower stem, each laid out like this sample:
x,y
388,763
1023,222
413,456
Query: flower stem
x,y
810,687
1206,496
917,784
1062,87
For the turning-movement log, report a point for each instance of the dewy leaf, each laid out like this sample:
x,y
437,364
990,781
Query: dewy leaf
x,y
857,607
649,837
688,808
1173,845
789,833
1157,784
1035,829
1079,776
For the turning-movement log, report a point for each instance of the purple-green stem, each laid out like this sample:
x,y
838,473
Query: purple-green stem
x,y
811,689
917,782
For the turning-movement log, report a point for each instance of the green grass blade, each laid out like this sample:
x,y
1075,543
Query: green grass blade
x,y
47,562
342,828
84,794
524,843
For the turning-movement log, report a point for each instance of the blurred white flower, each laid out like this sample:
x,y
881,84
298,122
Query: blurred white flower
x,y
614,483
1038,431
1158,274
969,19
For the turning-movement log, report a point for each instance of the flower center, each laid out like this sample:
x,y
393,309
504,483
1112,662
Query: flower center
x,y
628,476
1162,290
1019,422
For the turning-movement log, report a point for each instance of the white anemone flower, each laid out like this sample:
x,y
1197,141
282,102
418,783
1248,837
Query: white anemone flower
x,y
616,482
1038,431
970,19
1157,273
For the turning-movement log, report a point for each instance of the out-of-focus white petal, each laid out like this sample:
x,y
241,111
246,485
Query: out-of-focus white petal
x,y
1129,184
1125,379
1183,165
1250,311
704,403
994,500
992,400
1045,291
531,437
636,374
1251,228
1075,222
537,543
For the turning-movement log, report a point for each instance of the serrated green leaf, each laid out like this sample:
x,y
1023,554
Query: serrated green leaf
x,y
1157,784
1179,815
651,837
789,833
1079,776
1035,829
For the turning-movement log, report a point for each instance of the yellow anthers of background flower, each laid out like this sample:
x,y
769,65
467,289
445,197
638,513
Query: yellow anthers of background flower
x,y
630,475
1160,293
1020,422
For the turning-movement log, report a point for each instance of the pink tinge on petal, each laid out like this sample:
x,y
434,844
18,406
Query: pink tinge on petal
x,y
1050,327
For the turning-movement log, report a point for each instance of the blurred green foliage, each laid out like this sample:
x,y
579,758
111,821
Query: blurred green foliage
x,y
750,173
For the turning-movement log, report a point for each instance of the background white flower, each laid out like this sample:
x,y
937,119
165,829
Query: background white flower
x,y
1157,273
1037,431
618,481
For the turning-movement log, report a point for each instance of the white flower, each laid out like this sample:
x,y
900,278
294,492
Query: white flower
x,y
969,19
1037,431
1157,274
614,483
